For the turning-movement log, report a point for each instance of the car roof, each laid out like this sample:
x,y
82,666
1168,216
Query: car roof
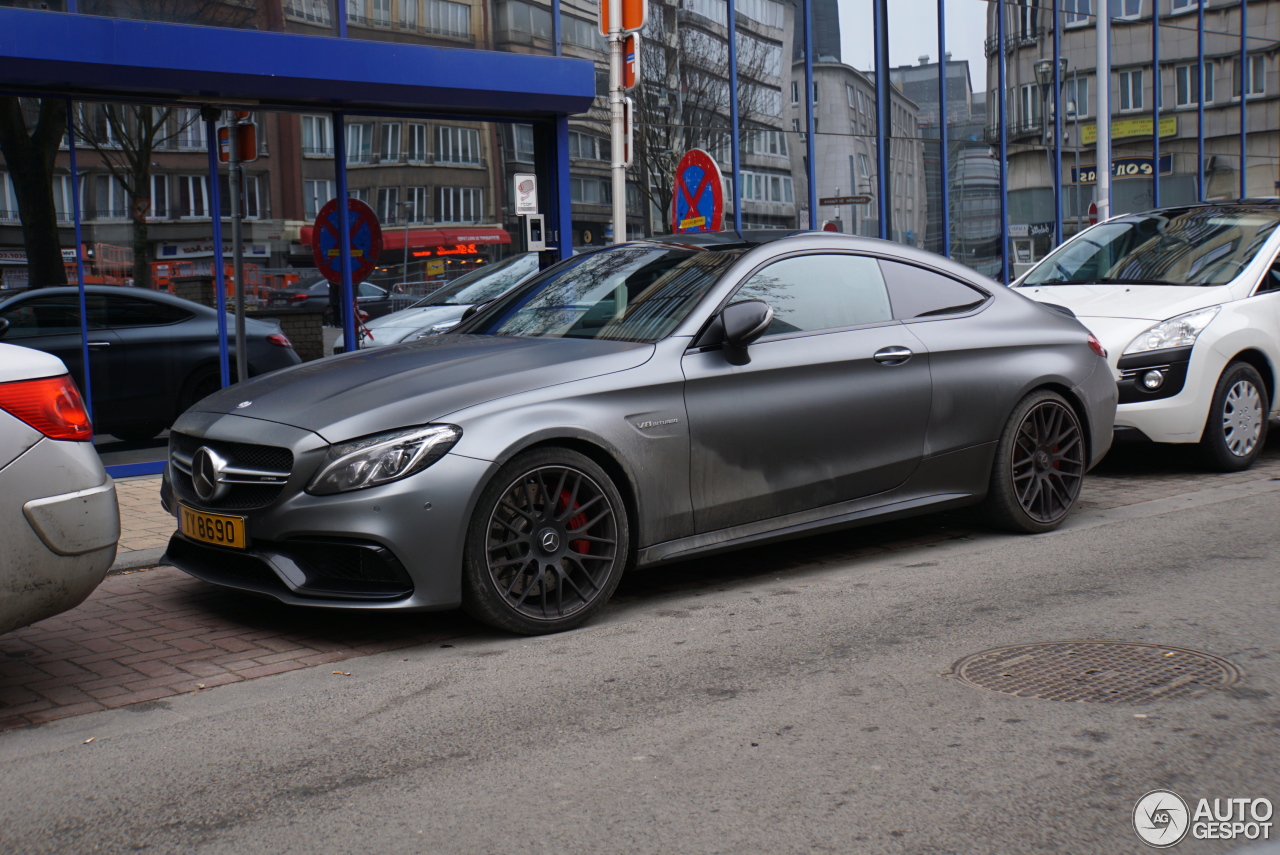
x,y
1265,206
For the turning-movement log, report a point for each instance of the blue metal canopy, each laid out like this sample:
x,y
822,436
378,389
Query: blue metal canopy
x,y
113,58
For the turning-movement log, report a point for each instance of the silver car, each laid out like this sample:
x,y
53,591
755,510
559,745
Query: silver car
x,y
59,522
649,402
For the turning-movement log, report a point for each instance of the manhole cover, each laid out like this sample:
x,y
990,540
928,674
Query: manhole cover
x,y
1095,672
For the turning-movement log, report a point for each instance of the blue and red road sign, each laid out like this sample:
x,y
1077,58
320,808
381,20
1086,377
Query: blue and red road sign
x,y
697,204
366,241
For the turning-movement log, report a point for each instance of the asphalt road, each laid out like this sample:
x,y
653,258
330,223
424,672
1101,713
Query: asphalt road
x,y
744,704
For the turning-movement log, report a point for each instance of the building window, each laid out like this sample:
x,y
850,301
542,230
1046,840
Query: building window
x,y
815,92
311,11
360,194
315,194
9,200
193,196
715,10
772,143
447,19
1131,90
523,22
457,145
1186,80
360,143
1185,5
159,208
459,204
586,146
1255,77
408,14
1029,106
417,204
317,136
767,12
864,166
1028,19
389,205
1125,9
190,134
795,92
590,191
1077,11
1077,96
62,199
391,143
522,143
250,197
581,32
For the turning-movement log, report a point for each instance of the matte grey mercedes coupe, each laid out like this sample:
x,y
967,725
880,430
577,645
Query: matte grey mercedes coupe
x,y
645,403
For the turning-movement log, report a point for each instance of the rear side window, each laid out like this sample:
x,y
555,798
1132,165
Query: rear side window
x,y
919,293
55,314
820,292
133,312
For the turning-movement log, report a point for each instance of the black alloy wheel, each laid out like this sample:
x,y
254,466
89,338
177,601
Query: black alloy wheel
x,y
1040,465
547,546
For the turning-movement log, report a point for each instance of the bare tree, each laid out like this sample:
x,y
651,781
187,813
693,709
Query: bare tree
x,y
30,131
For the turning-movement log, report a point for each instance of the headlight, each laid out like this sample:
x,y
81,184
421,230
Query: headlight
x,y
1175,332
382,458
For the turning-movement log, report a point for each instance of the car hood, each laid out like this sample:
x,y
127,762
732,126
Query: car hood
x,y
368,391
1145,302
418,318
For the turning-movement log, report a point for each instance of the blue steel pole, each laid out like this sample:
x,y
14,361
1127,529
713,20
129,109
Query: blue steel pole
x,y
1004,145
1200,101
220,285
75,213
811,168
556,32
1244,91
563,201
1156,91
340,12
944,169
880,20
344,231
1057,124
736,156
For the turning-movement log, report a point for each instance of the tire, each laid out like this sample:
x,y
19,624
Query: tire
x,y
138,433
533,566
201,386
1039,466
1236,428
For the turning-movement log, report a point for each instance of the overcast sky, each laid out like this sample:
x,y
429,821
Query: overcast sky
x,y
913,31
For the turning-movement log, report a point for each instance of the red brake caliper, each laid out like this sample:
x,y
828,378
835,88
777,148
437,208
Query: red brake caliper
x,y
580,546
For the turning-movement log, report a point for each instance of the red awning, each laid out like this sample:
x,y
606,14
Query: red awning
x,y
394,238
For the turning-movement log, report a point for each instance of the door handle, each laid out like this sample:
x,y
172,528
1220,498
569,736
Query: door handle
x,y
99,344
892,355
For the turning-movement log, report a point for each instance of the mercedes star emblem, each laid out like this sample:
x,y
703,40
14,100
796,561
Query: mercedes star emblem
x,y
206,474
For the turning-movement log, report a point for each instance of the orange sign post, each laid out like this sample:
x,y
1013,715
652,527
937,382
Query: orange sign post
x,y
634,15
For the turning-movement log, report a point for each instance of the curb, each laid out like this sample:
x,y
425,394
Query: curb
x,y
138,559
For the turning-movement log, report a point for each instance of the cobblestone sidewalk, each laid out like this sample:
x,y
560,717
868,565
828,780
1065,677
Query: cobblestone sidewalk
x,y
145,635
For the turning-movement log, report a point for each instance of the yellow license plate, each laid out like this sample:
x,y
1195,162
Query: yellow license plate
x,y
218,529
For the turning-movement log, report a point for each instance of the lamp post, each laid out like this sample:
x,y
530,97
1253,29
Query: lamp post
x,y
1044,76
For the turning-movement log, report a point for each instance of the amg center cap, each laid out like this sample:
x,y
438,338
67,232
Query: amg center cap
x,y
549,540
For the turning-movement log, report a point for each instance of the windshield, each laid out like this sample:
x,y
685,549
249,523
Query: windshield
x,y
1188,246
483,285
625,294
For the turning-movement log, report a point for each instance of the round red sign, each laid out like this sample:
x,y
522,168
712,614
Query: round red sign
x,y
697,205
366,241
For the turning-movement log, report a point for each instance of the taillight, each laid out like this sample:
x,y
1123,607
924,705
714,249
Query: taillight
x,y
299,298
279,340
51,405
1096,346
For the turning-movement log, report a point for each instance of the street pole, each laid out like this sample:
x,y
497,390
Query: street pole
x,y
237,244
617,121
404,211
1102,190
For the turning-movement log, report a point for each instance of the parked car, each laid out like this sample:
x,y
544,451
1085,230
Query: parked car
x,y
59,521
442,310
374,301
151,355
1187,301
648,402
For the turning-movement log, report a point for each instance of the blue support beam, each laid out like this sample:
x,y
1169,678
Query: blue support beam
x,y
1001,71
1056,101
1199,103
884,105
1244,96
347,309
219,266
945,176
811,169
75,209
734,137
1156,91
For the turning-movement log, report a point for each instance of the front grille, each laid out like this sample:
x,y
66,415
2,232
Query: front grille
x,y
241,497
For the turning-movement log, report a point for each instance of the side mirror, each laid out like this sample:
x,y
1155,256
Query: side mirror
x,y
745,322
4,326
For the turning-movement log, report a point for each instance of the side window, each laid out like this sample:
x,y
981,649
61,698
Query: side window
x,y
820,292
133,312
56,314
1271,279
920,293
367,290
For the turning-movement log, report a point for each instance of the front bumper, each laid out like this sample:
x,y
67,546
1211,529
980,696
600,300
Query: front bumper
x,y
397,547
